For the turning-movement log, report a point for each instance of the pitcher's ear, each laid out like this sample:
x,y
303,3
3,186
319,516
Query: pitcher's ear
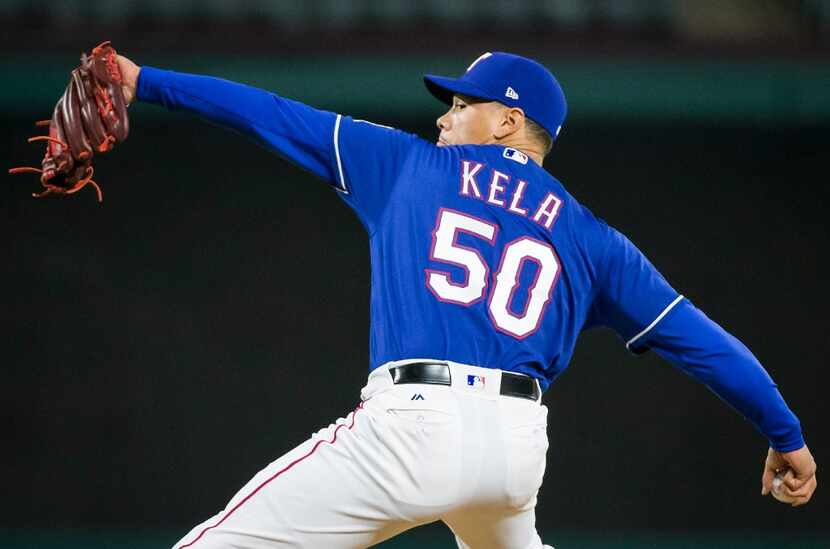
x,y
512,120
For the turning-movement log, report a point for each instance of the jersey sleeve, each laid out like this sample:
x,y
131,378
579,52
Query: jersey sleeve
x,y
360,159
297,132
635,300
370,159
699,347
632,296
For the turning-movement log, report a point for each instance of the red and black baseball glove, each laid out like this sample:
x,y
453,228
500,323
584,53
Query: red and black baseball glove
x,y
89,119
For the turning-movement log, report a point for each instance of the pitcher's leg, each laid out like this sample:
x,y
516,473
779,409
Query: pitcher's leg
x,y
324,493
501,512
495,529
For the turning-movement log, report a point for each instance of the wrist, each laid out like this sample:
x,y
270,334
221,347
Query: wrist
x,y
129,77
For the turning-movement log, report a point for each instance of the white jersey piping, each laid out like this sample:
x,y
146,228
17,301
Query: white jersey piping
x,y
654,323
337,154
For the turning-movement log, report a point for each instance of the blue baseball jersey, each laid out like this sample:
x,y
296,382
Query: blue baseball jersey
x,y
480,256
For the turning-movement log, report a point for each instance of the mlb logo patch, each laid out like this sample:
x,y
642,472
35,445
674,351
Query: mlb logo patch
x,y
477,382
513,154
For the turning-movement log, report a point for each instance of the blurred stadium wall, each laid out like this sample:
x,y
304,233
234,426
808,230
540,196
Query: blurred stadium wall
x,y
157,351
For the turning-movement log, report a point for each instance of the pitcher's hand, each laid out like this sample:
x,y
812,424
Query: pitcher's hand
x,y
798,471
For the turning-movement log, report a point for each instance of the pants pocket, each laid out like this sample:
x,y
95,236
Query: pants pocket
x,y
423,439
420,416
526,460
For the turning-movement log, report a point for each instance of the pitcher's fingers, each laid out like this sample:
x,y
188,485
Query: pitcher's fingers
x,y
801,501
789,483
789,480
794,482
807,489
783,497
766,481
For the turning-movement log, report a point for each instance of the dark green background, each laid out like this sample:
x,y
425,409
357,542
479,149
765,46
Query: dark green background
x,y
162,347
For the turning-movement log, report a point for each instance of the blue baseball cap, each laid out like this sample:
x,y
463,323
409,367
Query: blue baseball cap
x,y
512,80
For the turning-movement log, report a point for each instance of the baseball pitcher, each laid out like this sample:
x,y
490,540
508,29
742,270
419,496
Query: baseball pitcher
x,y
485,270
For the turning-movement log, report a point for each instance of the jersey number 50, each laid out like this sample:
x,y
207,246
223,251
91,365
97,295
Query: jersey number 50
x,y
445,249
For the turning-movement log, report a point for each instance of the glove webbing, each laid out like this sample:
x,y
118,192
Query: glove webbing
x,y
50,188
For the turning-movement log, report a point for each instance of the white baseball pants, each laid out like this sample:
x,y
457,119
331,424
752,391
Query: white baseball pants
x,y
408,455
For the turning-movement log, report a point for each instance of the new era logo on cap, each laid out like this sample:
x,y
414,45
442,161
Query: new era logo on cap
x,y
511,93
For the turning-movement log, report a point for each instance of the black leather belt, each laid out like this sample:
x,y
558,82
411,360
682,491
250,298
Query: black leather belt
x,y
438,373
